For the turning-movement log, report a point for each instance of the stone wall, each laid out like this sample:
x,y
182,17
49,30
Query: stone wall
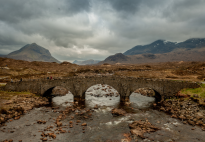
x,y
124,85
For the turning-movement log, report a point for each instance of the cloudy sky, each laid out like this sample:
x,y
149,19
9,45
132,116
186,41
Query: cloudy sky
x,y
95,29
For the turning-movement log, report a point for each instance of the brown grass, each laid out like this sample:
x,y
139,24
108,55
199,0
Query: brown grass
x,y
194,71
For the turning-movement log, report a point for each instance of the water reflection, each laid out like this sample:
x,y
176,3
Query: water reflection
x,y
139,101
102,95
63,101
99,95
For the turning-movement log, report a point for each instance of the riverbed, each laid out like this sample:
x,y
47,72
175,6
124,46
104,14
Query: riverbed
x,y
102,126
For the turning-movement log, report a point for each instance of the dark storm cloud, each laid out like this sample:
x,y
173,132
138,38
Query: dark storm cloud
x,y
84,29
129,6
18,10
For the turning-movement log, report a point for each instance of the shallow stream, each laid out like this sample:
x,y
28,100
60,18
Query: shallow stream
x,y
102,126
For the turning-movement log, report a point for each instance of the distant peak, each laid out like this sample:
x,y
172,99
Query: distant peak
x,y
118,54
33,44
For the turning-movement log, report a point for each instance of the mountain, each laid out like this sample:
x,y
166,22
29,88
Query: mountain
x,y
162,46
180,54
32,52
119,57
86,62
162,51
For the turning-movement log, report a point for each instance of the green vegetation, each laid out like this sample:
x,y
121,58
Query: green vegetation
x,y
200,91
8,95
2,84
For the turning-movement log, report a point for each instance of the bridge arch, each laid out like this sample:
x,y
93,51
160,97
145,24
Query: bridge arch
x,y
149,92
109,86
55,91
101,95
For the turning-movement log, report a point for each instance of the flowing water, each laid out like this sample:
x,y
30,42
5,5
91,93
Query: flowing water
x,y
102,126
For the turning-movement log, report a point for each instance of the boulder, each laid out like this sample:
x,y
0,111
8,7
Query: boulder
x,y
84,124
118,112
59,124
138,128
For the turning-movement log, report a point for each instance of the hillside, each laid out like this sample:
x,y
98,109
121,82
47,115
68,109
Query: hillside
x,y
119,57
162,46
32,52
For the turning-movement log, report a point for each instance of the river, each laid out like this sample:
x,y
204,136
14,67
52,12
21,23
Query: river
x,y
102,126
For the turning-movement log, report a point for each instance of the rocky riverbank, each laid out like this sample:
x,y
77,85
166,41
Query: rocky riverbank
x,y
186,109
74,113
13,108
58,127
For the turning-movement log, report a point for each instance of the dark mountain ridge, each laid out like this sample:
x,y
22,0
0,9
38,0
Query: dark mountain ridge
x,y
162,51
162,46
119,57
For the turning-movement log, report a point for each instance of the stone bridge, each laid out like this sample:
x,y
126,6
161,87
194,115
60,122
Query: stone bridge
x,y
124,85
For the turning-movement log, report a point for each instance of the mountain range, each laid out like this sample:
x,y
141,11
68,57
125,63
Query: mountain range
x,y
157,51
163,46
32,52
162,51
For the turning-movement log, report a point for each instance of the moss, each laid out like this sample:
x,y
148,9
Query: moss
x,y
2,84
190,91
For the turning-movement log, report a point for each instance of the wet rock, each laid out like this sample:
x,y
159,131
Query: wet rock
x,y
96,107
63,131
180,95
137,132
138,128
41,122
44,139
191,122
59,124
186,110
84,124
118,112
196,95
78,121
16,118
52,135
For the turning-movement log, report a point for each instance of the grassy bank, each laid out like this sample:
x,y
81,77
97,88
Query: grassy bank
x,y
199,91
5,95
8,99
